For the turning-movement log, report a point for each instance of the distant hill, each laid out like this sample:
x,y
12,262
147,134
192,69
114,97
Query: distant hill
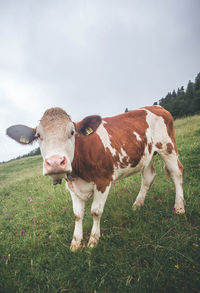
x,y
183,102
32,153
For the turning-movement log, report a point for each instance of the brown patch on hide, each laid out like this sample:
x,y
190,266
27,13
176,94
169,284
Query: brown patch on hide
x,y
92,162
168,119
169,147
159,145
150,147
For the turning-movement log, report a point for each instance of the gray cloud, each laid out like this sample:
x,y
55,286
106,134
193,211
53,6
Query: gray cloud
x,y
92,57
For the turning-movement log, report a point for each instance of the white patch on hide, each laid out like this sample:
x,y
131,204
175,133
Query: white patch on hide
x,y
157,130
105,138
122,155
81,188
137,136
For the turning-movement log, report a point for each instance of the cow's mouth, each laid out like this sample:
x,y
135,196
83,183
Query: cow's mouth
x,y
58,180
69,177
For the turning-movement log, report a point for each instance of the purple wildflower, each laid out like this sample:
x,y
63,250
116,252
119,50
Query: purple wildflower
x,y
30,200
159,200
3,256
34,220
22,232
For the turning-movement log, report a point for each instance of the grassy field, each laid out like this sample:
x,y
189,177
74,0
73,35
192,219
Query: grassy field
x,y
151,250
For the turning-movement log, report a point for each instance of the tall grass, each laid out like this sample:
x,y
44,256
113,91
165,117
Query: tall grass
x,y
151,250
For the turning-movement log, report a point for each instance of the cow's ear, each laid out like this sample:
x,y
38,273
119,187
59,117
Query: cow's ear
x,y
88,125
22,134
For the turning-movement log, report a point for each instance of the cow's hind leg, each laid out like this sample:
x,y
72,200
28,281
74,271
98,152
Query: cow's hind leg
x,y
175,169
148,175
97,210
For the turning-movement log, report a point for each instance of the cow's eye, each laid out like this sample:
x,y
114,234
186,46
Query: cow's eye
x,y
38,135
72,132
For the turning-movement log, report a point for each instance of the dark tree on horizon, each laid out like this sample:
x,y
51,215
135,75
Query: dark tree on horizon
x,y
183,102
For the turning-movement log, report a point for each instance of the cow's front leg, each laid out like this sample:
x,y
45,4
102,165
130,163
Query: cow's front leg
x,y
97,210
78,209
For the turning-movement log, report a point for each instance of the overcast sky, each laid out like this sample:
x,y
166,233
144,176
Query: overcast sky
x,y
91,57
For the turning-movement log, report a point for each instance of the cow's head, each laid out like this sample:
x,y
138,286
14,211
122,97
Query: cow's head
x,y
56,137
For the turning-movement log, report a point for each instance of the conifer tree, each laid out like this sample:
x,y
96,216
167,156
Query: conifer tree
x,y
197,82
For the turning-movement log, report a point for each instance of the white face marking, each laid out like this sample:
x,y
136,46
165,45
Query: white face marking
x,y
105,138
57,139
137,136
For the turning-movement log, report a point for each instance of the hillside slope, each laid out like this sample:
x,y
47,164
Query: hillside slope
x,y
19,170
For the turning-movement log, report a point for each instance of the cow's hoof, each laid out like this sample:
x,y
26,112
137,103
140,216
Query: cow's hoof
x,y
75,245
92,242
137,205
179,210
75,248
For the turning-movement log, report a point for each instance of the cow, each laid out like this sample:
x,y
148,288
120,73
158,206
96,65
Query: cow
x,y
95,152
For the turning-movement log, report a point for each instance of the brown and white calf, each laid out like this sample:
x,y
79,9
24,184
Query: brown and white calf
x,y
95,152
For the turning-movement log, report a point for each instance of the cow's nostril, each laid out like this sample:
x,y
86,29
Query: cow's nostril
x,y
47,162
63,161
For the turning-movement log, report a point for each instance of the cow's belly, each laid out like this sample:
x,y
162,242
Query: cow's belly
x,y
81,188
122,172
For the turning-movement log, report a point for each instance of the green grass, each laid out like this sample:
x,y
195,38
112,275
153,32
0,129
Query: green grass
x,y
151,250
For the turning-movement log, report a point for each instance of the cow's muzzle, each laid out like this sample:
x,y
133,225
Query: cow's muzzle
x,y
55,165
